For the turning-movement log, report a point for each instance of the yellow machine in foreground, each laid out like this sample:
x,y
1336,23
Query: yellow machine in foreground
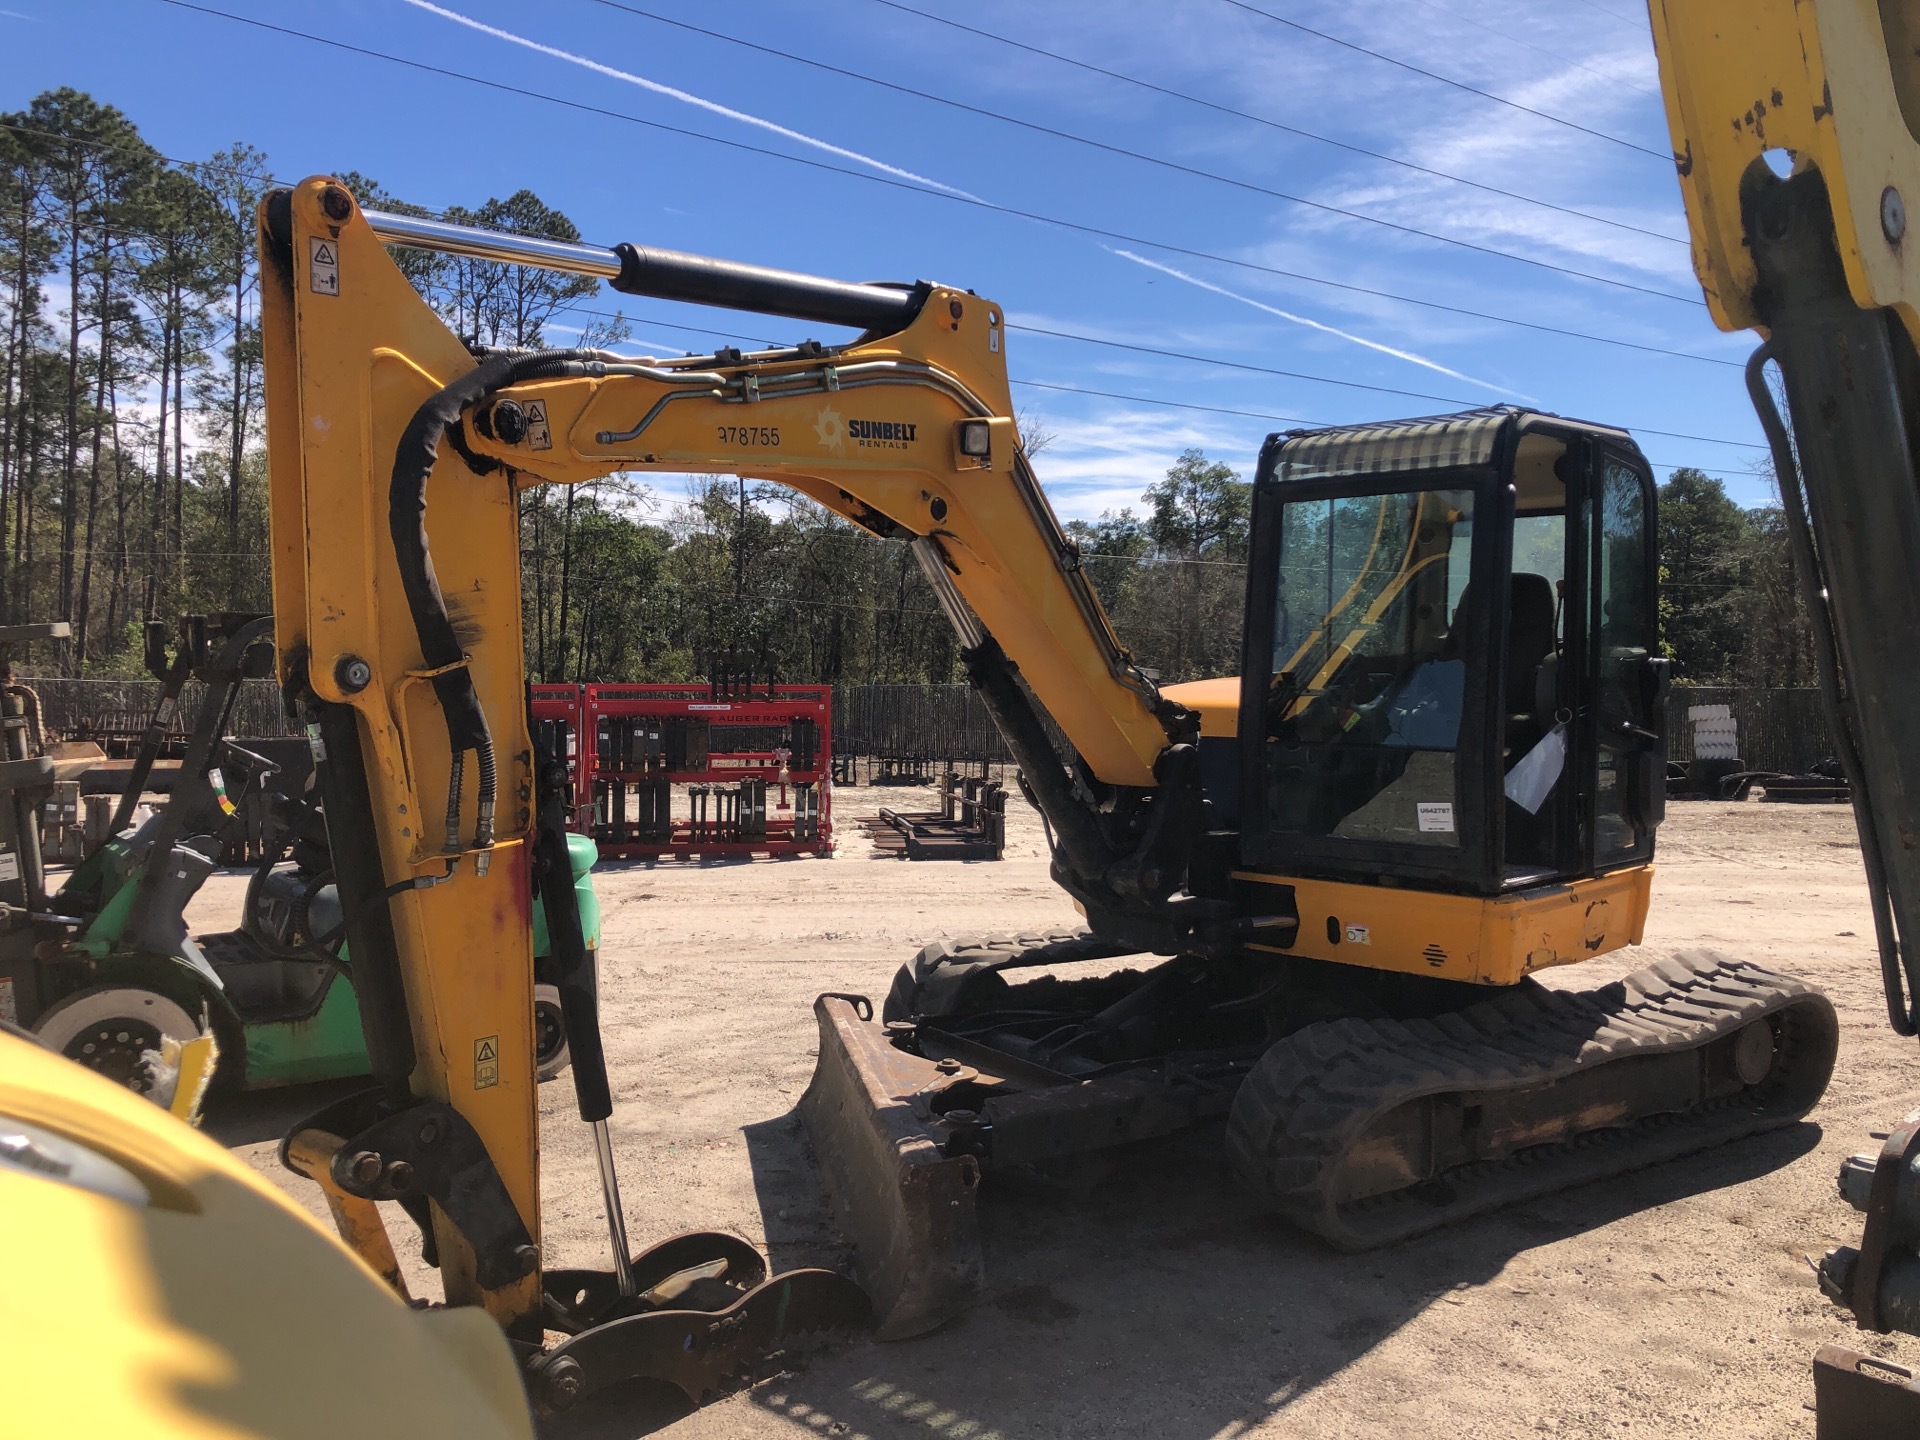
x,y
164,1289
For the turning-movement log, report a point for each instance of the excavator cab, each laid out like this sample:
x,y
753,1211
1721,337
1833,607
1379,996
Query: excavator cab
x,y
1452,679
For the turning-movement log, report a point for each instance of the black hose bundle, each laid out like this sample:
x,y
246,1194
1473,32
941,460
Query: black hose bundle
x,y
413,463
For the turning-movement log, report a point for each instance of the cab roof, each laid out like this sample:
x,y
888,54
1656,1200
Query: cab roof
x,y
1431,442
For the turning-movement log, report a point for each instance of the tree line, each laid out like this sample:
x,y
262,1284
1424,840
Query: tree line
x,y
1730,608
133,468
131,478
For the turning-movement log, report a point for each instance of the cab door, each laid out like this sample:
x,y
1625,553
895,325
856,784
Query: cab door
x,y
1625,731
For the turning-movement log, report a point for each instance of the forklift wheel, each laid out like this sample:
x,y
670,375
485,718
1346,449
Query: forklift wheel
x,y
111,1028
550,1057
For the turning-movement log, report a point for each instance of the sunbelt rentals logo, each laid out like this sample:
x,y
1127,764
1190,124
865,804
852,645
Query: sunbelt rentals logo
x,y
833,432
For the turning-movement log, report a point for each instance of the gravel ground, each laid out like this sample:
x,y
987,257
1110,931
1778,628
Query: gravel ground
x,y
1149,1298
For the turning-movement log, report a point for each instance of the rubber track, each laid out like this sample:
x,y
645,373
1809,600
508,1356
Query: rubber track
x,y
1314,1093
1054,947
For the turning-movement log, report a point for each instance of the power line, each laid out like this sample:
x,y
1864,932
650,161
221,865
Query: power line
x,y
1074,226
1443,79
1118,150
1370,291
728,335
1114,235
1481,315
1529,45
1232,364
1245,365
1165,164
1629,21
1314,424
1170,404
1351,384
822,165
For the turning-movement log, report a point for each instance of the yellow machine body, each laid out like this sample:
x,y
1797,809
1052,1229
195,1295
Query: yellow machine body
x,y
199,1301
1485,940
907,433
1744,77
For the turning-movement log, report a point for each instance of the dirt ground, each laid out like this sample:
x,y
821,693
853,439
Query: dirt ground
x,y
1154,1300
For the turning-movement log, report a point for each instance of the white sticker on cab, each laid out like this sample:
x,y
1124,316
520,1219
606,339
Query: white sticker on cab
x,y
1436,818
1358,935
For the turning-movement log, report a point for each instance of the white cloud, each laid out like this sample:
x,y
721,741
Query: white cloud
x,y
1104,459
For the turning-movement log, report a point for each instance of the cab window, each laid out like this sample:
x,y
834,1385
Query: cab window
x,y
1373,614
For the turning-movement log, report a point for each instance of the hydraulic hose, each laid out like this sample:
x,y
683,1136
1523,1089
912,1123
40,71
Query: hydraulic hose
x,y
413,462
1896,973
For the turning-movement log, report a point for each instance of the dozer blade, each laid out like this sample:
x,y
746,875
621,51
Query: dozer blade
x,y
908,1207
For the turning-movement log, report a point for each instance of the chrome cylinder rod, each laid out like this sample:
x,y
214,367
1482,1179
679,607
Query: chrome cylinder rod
x,y
616,1217
668,274
418,233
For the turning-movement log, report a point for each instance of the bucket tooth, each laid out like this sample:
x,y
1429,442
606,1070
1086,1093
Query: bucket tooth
x,y
908,1207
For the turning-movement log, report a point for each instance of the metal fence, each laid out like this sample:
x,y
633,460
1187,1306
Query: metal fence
x,y
1778,729
937,724
115,712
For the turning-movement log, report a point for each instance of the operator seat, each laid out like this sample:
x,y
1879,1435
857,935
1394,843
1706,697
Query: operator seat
x,y
1532,688
1531,655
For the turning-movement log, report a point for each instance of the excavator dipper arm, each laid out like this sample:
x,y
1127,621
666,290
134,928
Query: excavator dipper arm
x,y
1796,134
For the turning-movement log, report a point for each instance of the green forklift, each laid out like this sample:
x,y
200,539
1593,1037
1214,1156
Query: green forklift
x,y
105,971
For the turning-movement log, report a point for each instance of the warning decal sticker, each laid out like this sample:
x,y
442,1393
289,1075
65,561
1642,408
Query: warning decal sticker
x,y
539,433
323,265
486,1062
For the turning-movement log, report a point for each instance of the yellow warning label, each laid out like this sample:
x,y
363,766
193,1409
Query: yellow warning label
x,y
486,1062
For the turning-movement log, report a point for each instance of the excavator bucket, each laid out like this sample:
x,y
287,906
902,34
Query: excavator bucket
x,y
907,1206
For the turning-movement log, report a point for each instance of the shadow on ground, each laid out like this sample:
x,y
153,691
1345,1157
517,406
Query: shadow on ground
x,y
1151,1300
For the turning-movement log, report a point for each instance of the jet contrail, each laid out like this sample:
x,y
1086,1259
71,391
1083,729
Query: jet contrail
x,y
681,95
1406,355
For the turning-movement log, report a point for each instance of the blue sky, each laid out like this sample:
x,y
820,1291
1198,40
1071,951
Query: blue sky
x,y
194,82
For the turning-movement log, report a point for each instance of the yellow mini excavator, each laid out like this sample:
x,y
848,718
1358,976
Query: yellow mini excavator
x,y
1440,771
1315,894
